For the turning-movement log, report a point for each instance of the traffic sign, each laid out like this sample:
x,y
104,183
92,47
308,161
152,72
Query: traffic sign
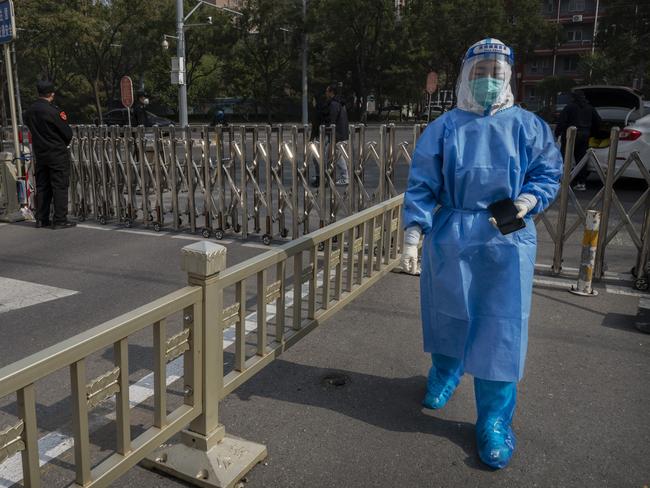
x,y
432,82
7,21
126,90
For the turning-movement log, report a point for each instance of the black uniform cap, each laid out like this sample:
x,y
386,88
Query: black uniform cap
x,y
45,87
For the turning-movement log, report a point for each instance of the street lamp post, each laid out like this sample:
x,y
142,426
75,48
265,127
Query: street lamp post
x,y
305,54
180,52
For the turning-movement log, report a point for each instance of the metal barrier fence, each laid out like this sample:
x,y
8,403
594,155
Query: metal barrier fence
x,y
255,180
614,216
296,288
241,179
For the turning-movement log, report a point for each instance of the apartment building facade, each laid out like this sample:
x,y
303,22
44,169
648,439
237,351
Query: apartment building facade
x,y
231,4
579,20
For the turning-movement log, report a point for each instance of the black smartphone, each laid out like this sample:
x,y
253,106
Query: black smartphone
x,y
505,213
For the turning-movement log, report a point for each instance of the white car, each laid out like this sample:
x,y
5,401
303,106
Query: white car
x,y
634,137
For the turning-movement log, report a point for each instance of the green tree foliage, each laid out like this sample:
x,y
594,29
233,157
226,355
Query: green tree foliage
x,y
86,46
622,46
354,41
263,58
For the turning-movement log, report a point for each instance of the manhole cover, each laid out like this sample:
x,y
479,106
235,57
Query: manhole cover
x,y
335,380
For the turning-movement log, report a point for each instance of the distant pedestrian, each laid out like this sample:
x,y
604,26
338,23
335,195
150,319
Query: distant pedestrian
x,y
51,136
140,114
583,116
218,117
333,112
317,119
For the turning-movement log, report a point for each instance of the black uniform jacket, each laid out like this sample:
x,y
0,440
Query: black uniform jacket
x,y
50,131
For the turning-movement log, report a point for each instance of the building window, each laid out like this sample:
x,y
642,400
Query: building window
x,y
576,5
548,6
570,64
574,35
531,92
533,66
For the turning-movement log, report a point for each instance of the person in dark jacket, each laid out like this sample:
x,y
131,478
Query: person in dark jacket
x,y
583,116
218,117
51,136
333,112
337,114
140,115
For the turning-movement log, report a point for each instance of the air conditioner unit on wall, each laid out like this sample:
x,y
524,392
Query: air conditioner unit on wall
x,y
576,18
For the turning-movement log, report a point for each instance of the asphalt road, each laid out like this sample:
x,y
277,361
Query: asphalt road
x,y
582,411
582,405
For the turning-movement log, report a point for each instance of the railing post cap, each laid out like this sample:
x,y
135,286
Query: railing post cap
x,y
203,258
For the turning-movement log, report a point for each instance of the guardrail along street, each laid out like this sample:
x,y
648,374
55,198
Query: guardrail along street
x,y
266,304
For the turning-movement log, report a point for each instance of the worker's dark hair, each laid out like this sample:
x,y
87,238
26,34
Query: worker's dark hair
x,y
333,87
45,87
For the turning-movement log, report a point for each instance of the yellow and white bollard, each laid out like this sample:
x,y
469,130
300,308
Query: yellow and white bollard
x,y
588,259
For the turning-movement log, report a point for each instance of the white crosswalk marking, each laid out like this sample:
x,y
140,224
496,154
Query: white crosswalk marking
x,y
16,294
56,443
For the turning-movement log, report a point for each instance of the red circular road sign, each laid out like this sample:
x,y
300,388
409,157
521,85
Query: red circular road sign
x,y
432,82
126,89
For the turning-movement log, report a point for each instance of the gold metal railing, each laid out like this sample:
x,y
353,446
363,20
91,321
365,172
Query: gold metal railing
x,y
301,284
86,394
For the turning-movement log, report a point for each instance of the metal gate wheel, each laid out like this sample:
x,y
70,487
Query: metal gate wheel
x,y
266,240
205,233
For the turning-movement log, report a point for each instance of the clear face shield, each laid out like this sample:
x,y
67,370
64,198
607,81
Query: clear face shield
x,y
485,84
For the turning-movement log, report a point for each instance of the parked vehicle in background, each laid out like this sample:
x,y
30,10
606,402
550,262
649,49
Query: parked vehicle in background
x,y
617,105
634,137
120,117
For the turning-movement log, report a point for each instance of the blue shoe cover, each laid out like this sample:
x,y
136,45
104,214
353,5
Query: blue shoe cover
x,y
444,377
495,403
496,443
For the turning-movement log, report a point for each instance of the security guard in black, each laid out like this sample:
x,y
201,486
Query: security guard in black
x,y
51,136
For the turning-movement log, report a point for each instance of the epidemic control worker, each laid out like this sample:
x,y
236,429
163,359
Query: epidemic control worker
x,y
476,284
51,136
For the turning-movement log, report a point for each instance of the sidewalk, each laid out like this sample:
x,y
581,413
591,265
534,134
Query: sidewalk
x,y
582,417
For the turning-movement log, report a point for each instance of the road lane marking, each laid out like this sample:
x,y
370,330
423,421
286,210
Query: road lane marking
x,y
619,290
554,283
141,232
17,294
94,227
257,245
190,238
56,443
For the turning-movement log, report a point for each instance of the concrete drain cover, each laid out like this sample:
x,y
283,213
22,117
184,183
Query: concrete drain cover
x,y
335,380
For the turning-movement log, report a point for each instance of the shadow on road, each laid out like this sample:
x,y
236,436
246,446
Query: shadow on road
x,y
388,403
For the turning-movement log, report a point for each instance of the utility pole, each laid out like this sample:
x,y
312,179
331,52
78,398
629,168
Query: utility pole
x,y
305,54
12,106
19,105
180,53
557,21
593,38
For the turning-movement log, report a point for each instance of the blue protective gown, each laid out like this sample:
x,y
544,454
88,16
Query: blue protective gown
x,y
476,284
